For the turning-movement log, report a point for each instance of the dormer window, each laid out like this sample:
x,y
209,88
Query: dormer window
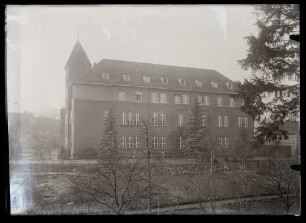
x,y
146,79
164,80
198,83
229,85
214,84
182,82
105,75
126,77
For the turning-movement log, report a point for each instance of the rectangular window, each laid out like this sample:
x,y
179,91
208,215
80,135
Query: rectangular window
x,y
137,146
198,83
155,119
123,118
219,121
130,119
177,99
154,142
130,142
121,96
239,122
162,119
163,98
105,75
225,142
219,101
138,96
219,142
180,119
126,77
123,142
137,119
164,80
180,142
200,99
214,84
226,121
146,79
154,97
162,142
206,100
245,122
185,99
204,120
232,102
182,82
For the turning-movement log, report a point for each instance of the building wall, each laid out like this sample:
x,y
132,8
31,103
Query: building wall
x,y
91,101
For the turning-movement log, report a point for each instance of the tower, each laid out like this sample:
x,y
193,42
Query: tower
x,y
77,65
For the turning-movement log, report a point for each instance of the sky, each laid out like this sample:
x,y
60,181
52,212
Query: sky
x,y
39,40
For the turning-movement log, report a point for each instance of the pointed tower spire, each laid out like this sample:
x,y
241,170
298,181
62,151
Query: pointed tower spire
x,y
78,57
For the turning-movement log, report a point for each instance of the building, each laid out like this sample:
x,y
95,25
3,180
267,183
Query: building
x,y
293,129
159,94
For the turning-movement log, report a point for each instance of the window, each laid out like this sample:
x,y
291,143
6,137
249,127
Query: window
x,y
226,120
123,118
206,100
163,98
180,142
162,142
105,75
164,80
130,142
137,142
123,142
154,142
155,119
154,97
232,102
182,82
219,142
245,122
137,119
138,96
239,122
177,99
126,77
130,118
146,79
214,84
121,96
225,142
180,119
162,119
219,101
200,99
204,120
219,121
229,85
198,83
185,99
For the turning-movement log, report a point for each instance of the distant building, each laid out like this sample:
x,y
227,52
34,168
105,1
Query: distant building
x,y
293,129
159,94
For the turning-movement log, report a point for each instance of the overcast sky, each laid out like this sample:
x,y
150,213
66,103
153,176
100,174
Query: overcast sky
x,y
40,40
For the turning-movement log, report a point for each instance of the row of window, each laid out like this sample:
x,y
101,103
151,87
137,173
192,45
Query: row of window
x,y
222,142
178,99
130,118
165,80
133,142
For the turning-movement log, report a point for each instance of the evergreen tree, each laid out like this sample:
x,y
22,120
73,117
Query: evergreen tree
x,y
274,60
193,135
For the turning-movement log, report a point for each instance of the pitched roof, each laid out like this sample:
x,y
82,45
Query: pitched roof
x,y
136,70
78,57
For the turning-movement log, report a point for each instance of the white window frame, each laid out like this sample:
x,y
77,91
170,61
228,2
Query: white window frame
x,y
155,142
121,96
185,99
138,93
126,77
162,119
200,99
164,80
220,142
214,84
177,99
220,121
232,102
163,98
130,118
123,142
137,118
198,83
182,82
219,101
130,142
155,119
146,79
162,142
123,118
245,120
226,142
154,97
206,100
180,142
226,121
137,145
240,120
105,76
180,119
204,120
